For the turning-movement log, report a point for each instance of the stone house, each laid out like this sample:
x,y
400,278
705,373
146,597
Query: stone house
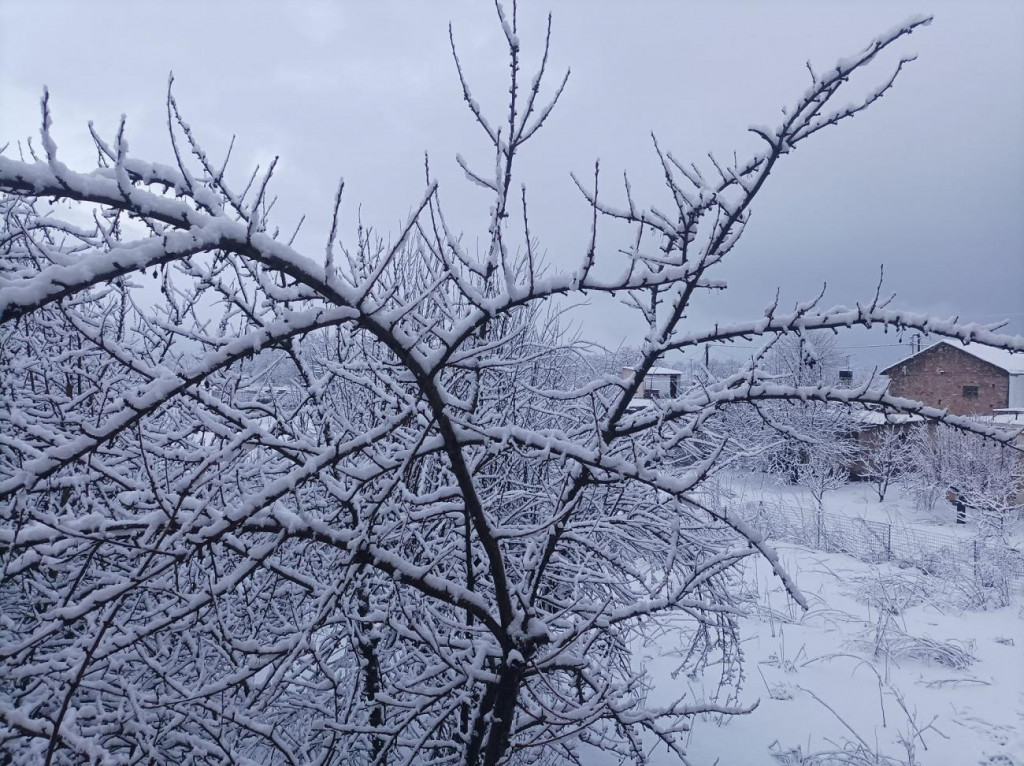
x,y
965,379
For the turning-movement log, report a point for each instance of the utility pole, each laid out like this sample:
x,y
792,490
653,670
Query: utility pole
x,y
801,363
707,355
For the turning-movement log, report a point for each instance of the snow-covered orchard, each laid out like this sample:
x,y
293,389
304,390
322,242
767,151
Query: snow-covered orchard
x,y
373,502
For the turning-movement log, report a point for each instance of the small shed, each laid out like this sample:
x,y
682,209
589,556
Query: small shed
x,y
659,383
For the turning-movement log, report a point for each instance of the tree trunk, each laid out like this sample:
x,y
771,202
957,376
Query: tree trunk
x,y
503,714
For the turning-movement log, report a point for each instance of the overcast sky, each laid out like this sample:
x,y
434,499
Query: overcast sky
x,y
929,182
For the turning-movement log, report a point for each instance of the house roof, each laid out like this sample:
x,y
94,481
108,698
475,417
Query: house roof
x,y
1001,358
869,419
878,418
659,371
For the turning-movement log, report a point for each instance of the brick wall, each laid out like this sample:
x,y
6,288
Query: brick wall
x,y
937,376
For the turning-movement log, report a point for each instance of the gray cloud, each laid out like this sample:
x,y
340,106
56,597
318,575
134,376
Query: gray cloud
x,y
930,182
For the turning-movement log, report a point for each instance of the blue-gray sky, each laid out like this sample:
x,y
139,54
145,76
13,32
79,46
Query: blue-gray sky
x,y
930,181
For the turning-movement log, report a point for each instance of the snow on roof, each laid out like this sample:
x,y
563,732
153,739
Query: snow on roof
x,y
879,418
1012,363
659,371
871,418
635,405
1001,358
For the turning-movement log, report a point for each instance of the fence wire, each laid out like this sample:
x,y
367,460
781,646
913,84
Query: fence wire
x,y
987,563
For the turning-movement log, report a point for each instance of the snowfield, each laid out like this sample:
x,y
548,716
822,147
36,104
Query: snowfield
x,y
888,665
858,500
878,664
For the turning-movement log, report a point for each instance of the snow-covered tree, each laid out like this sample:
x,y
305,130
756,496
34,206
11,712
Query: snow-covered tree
x,y
809,443
364,505
807,358
817,451
885,456
980,478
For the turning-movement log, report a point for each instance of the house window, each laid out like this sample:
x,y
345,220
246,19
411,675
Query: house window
x,y
970,392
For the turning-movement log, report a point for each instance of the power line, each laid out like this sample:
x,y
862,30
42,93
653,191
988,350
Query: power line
x,y
871,345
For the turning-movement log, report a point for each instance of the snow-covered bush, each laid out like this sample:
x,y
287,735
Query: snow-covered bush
x,y
364,505
890,641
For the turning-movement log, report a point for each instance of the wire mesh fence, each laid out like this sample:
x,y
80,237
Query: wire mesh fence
x,y
987,563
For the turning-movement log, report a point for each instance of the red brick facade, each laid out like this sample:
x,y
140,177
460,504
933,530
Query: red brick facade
x,y
940,376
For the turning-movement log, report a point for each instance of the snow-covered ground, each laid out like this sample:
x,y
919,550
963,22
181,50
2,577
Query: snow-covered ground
x,y
884,662
888,666
859,500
